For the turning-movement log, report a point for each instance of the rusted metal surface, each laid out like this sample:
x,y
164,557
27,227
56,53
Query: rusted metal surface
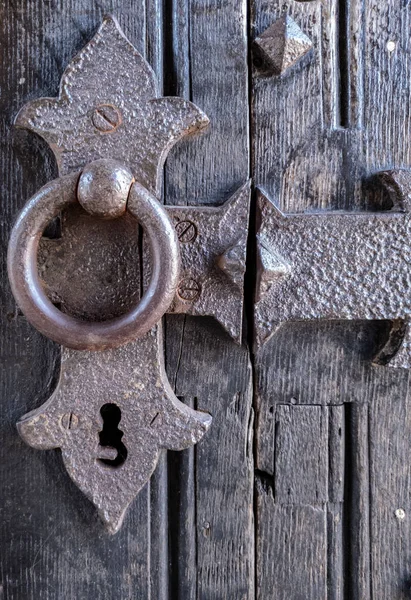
x,y
213,261
103,188
281,46
337,266
114,112
91,271
213,247
111,114
107,181
131,381
213,243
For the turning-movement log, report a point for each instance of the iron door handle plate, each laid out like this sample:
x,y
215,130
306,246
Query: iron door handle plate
x,y
116,367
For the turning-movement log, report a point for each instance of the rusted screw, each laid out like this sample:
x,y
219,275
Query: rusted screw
x,y
156,420
186,231
69,421
189,289
106,118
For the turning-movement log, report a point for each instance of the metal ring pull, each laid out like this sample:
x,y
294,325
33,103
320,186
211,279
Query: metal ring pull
x,y
107,189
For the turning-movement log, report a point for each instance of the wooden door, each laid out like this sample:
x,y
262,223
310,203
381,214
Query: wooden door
x,y
300,490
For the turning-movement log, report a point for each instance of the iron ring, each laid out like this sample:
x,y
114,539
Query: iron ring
x,y
66,329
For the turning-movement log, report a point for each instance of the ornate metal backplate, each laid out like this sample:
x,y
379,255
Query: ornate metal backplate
x,y
117,113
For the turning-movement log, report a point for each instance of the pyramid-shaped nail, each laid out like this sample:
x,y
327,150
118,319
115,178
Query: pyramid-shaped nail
x,y
232,263
270,267
283,44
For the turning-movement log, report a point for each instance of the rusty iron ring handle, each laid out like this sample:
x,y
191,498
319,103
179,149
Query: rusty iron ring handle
x,y
93,185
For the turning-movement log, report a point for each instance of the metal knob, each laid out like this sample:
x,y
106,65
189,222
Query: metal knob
x,y
105,188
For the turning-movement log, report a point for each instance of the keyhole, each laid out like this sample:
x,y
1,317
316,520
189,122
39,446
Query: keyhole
x,y
110,435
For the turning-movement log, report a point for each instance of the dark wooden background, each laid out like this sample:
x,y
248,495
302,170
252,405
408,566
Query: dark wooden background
x,y
294,493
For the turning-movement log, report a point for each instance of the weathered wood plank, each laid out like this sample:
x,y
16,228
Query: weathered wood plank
x,y
390,488
327,364
318,155
210,170
357,503
291,113
182,524
387,72
222,480
56,545
307,493
290,564
301,454
209,66
319,132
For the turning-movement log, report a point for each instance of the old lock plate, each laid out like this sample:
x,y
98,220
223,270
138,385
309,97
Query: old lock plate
x,y
117,114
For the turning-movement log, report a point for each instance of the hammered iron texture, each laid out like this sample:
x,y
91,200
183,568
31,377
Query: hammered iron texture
x,y
109,74
113,113
150,417
332,265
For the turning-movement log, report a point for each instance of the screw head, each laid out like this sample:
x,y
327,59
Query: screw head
x,y
69,421
106,118
189,290
186,231
156,420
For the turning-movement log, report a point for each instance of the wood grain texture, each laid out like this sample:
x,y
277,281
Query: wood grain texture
x,y
330,372
180,539
214,521
290,156
344,110
217,509
53,545
301,454
390,489
282,531
210,170
319,133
